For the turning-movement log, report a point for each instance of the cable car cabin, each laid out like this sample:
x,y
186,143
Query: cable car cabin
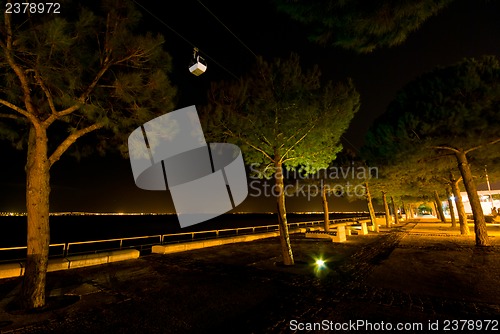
x,y
198,66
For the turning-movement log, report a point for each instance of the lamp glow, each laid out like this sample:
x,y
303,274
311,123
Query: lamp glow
x,y
320,263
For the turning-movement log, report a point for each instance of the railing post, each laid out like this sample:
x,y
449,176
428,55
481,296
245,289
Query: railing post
x,y
121,243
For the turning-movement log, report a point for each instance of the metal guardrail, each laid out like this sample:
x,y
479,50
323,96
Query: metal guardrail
x,y
143,242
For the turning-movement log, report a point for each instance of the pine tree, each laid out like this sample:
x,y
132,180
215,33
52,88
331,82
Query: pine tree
x,y
450,111
282,117
64,77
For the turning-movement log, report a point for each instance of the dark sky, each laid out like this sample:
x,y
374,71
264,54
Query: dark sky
x,y
464,29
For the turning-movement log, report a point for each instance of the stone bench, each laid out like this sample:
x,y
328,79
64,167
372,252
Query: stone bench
x,y
338,236
340,230
361,228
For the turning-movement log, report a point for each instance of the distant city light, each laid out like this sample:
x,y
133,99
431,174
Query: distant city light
x,y
91,213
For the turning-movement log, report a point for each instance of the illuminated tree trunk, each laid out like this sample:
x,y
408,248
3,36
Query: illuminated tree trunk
x,y
325,208
286,247
439,207
370,208
452,210
386,208
37,206
477,210
434,210
410,208
462,216
395,210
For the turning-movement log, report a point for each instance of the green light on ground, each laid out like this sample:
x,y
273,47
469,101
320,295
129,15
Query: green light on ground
x,y
320,263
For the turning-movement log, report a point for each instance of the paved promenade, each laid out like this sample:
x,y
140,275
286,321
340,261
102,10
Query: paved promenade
x,y
414,276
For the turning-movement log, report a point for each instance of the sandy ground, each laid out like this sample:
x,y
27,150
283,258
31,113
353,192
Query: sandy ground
x,y
419,275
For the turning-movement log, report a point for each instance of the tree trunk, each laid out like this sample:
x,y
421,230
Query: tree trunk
x,y
37,208
410,208
439,206
395,210
477,211
370,208
286,247
452,210
386,208
462,216
325,208
434,210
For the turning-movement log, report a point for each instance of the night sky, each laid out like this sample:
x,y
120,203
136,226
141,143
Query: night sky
x,y
464,29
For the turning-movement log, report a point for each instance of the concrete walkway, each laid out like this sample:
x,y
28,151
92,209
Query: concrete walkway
x,y
416,273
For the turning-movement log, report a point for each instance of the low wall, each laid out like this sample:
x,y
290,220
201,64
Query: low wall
x,y
78,261
75,261
181,247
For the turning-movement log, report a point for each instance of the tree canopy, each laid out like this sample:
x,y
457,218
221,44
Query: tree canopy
x,y
76,73
278,106
361,25
454,106
282,116
453,111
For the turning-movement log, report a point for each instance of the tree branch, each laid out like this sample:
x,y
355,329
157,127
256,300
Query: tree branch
x,y
259,150
480,146
81,100
107,63
266,141
56,155
436,157
46,91
467,151
288,159
7,48
445,148
444,179
136,54
310,156
11,116
297,142
230,133
15,108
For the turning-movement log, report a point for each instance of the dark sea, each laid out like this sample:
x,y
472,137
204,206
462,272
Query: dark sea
x,y
71,228
77,228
